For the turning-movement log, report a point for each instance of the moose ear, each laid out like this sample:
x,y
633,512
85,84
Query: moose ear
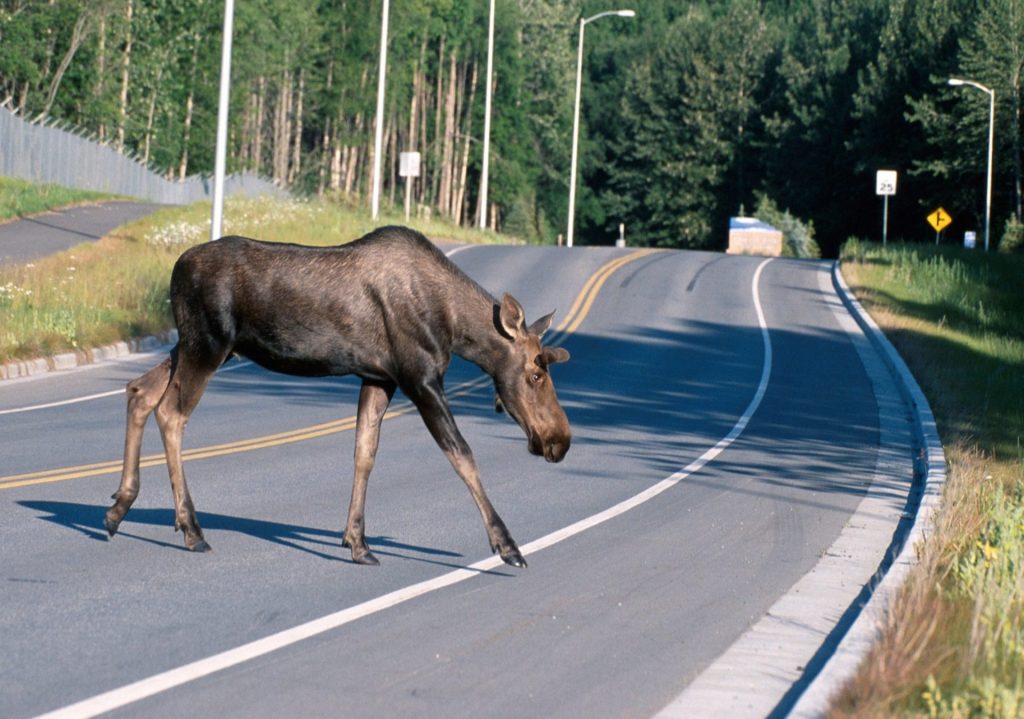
x,y
511,316
554,355
541,326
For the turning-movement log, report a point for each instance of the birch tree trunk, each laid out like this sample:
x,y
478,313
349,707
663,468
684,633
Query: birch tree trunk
x,y
100,88
189,105
467,134
391,130
352,163
435,184
282,128
447,149
325,140
296,167
424,103
151,112
78,35
126,59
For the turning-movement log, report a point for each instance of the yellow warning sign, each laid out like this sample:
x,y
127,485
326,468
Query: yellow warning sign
x,y
939,220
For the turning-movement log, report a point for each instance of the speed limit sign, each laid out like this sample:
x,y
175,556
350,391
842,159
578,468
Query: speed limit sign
x,y
885,182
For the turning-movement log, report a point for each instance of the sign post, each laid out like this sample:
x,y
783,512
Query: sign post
x,y
408,167
885,185
939,220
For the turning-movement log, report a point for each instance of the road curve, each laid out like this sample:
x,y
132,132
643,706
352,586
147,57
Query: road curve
x,y
726,428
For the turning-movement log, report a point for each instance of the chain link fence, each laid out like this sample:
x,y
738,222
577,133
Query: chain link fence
x,y
51,153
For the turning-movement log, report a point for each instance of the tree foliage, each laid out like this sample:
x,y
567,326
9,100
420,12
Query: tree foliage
x,y
689,110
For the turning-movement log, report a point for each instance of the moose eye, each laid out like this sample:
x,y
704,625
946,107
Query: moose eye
x,y
536,378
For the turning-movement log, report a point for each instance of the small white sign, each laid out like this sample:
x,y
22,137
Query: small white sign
x,y
885,182
970,240
408,164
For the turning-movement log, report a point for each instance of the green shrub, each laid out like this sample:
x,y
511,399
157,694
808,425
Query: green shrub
x,y
1013,236
797,236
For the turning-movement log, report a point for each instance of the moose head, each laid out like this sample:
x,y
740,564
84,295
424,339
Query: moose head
x,y
523,383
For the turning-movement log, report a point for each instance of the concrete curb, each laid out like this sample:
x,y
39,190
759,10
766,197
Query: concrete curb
x,y
930,466
79,358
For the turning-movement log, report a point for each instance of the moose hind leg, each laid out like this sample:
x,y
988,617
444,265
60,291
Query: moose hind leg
x,y
373,402
186,386
143,395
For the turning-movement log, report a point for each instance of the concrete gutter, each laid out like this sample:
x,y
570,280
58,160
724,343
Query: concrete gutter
x,y
931,465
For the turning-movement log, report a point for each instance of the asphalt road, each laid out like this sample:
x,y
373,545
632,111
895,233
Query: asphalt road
x,y
634,587
28,238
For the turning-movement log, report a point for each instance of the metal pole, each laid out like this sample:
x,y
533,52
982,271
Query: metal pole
x,y
378,135
575,139
220,158
991,135
485,168
576,118
885,221
957,82
408,197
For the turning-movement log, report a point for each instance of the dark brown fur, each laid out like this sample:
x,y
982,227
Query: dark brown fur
x,y
389,308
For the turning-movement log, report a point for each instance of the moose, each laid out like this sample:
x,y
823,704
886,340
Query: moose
x,y
390,308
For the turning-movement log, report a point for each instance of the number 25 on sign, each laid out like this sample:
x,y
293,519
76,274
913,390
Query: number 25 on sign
x,y
939,220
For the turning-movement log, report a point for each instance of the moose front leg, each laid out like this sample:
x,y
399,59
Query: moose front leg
x,y
501,541
433,406
374,399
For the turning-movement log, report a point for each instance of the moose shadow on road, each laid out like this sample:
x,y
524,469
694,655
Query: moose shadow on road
x,y
87,519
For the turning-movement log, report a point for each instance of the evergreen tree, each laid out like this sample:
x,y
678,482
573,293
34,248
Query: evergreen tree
x,y
688,112
828,43
917,44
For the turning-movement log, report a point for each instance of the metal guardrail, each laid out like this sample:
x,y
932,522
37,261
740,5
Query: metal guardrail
x,y
53,152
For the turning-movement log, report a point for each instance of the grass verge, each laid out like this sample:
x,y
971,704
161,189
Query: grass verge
x,y
116,288
953,644
19,198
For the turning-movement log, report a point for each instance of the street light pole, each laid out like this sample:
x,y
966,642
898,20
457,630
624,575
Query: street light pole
x,y
576,117
220,151
957,82
378,133
485,167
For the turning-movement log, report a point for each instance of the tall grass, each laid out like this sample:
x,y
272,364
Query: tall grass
x,y
19,198
116,288
953,645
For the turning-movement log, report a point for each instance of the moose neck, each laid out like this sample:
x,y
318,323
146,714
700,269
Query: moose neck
x,y
477,338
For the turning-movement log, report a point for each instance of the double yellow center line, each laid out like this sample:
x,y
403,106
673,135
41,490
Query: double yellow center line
x,y
573,319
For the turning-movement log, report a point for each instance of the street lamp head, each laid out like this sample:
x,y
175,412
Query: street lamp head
x,y
608,13
958,82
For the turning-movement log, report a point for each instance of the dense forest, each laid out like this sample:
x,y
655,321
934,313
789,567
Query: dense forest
x,y
692,111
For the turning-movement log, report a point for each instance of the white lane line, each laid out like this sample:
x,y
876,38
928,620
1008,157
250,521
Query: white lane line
x,y
99,395
136,691
61,403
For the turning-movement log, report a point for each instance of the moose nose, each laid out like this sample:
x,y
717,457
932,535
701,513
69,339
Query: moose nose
x,y
555,451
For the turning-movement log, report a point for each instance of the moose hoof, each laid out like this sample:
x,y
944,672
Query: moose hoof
x,y
111,524
367,559
200,546
514,559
